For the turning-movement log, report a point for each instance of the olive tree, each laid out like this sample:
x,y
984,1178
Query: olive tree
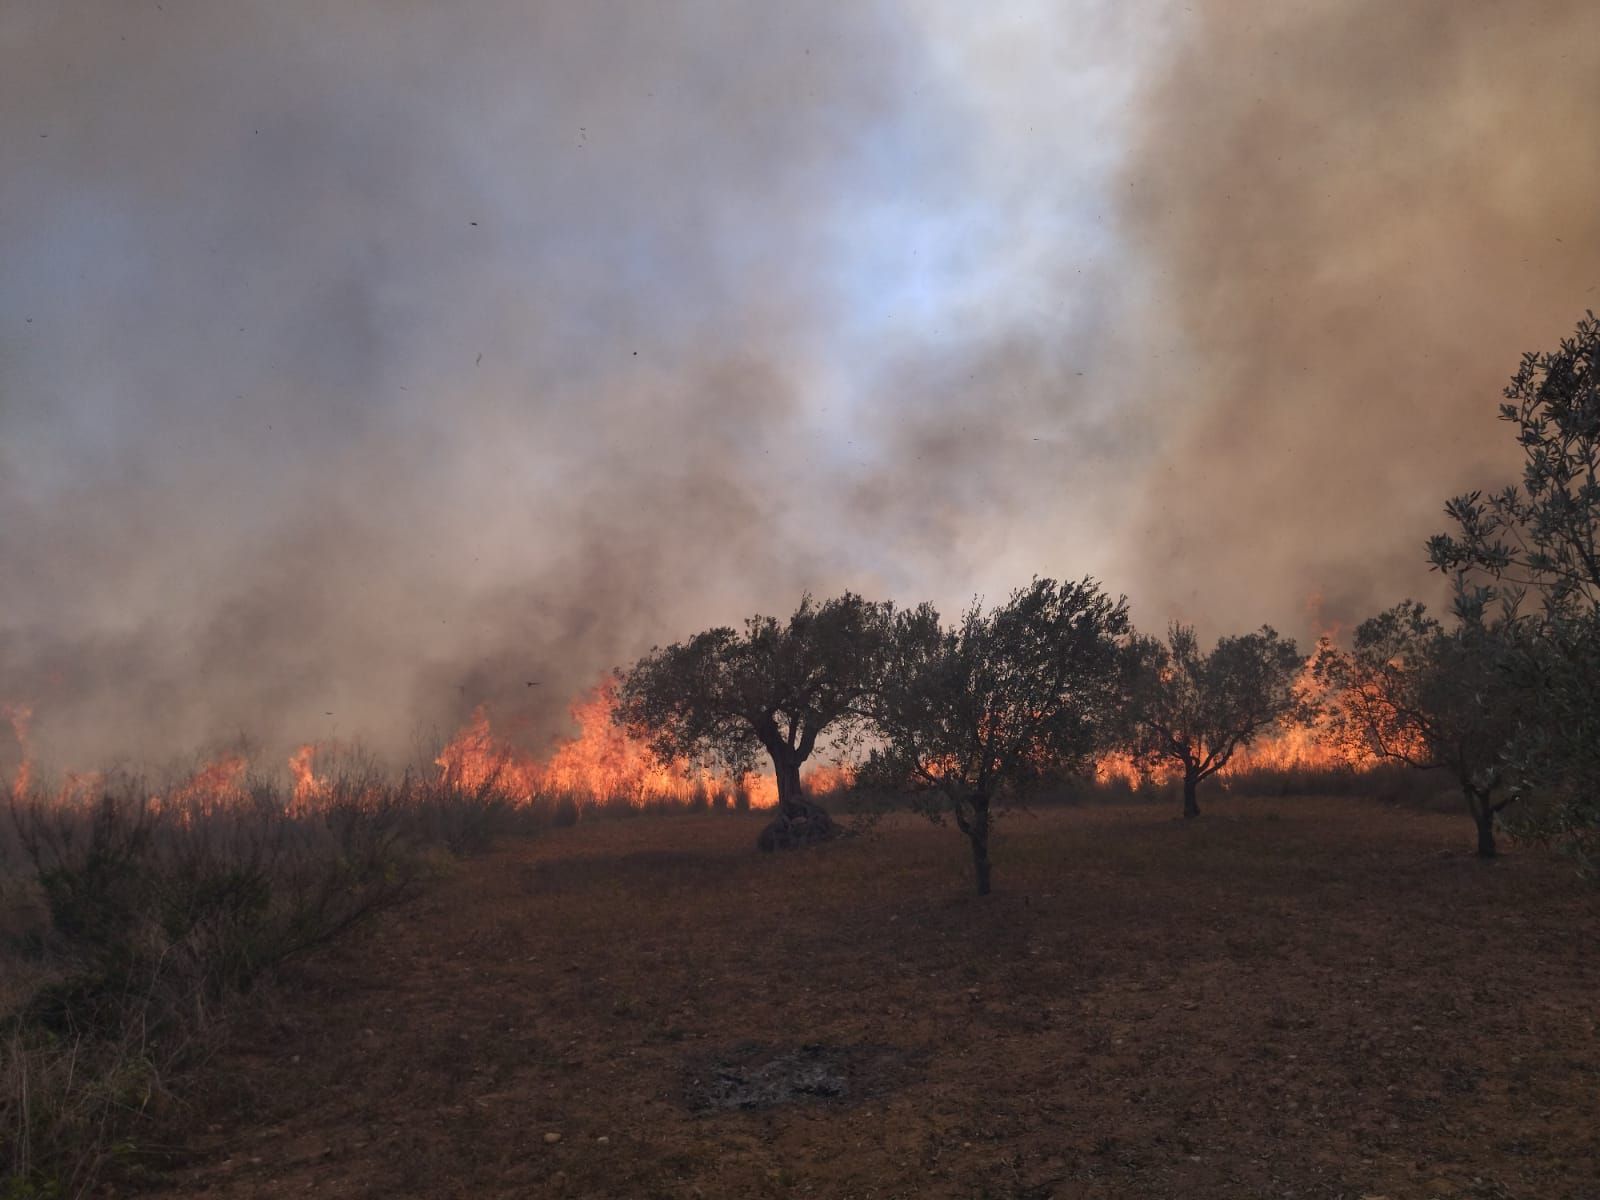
x,y
725,696
966,715
1414,692
1542,535
1198,708
1540,539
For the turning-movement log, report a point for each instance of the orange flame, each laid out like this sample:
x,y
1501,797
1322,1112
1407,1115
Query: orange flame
x,y
826,779
20,717
79,787
604,762
1314,746
1286,747
213,786
1121,767
475,760
599,763
1295,748
309,790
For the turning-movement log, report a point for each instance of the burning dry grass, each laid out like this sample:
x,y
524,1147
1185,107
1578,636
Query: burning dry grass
x,y
602,767
599,769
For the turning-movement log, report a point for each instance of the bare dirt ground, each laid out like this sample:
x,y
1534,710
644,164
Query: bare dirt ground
x,y
1287,998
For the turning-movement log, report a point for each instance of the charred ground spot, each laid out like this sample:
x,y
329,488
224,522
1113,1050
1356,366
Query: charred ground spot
x,y
752,1075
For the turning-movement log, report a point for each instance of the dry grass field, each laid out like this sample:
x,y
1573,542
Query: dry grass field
x,y
1288,998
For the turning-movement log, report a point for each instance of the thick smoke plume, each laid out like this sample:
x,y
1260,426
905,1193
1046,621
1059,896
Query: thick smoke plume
x,y
362,363
1357,216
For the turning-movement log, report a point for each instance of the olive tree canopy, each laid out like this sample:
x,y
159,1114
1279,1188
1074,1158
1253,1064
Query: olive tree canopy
x,y
1540,539
1414,692
725,696
1199,708
969,713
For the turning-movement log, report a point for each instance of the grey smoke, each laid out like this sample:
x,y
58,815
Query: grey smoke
x,y
1357,216
374,359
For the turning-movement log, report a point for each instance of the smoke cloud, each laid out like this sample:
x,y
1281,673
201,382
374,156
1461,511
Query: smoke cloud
x,y
361,364
1357,216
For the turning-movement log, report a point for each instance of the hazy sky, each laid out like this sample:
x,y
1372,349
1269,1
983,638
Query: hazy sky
x,y
375,359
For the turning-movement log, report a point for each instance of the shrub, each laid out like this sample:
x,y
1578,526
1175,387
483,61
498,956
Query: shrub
x,y
137,918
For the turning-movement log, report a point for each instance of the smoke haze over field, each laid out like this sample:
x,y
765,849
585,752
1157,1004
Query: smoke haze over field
x,y
361,363
1361,214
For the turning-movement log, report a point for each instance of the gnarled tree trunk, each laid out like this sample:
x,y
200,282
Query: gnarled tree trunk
x,y
798,821
1483,815
976,829
1191,807
978,835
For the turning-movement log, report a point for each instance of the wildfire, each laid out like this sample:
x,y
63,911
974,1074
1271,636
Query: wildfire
x,y
824,779
603,761
1292,746
1295,748
1313,745
600,763
214,785
20,718
79,787
308,789
476,760
1121,767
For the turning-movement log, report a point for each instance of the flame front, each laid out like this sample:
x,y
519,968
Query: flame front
x,y
1290,746
20,718
1302,746
309,790
477,761
605,763
601,763
213,786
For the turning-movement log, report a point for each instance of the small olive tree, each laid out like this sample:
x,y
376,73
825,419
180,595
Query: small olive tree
x,y
966,715
725,695
1198,708
1412,691
1540,539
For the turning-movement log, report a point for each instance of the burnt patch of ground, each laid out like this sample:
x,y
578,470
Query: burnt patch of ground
x,y
1325,999
755,1075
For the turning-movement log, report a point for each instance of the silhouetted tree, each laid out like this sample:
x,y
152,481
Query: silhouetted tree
x,y
1541,539
967,715
1544,534
1198,709
725,695
1433,698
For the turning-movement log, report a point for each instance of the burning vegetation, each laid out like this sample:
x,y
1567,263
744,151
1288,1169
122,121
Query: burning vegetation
x,y
20,718
154,904
606,765
602,765
616,761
